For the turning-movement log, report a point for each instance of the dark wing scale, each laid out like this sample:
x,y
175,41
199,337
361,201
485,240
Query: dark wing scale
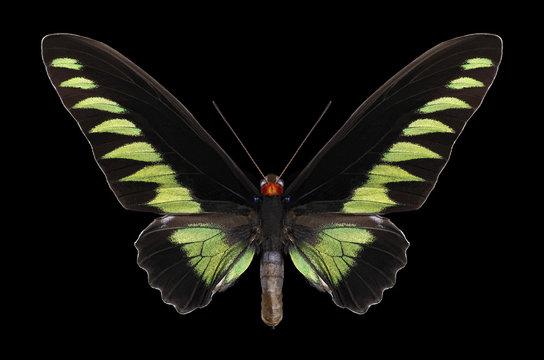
x,y
352,257
190,257
389,154
155,155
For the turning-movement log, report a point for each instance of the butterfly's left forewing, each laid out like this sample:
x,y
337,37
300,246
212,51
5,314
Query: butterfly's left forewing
x,y
156,157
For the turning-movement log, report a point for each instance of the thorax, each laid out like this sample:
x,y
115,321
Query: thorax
x,y
271,216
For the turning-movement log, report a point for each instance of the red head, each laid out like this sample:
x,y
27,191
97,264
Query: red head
x,y
272,185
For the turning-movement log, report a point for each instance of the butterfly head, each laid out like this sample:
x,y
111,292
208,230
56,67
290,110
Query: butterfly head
x,y
271,185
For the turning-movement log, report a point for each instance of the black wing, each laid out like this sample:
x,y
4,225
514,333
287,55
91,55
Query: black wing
x,y
155,156
388,155
352,257
190,257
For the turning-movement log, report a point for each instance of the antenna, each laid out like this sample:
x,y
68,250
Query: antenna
x,y
237,138
303,141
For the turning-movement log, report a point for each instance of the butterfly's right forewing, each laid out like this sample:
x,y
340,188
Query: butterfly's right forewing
x,y
388,155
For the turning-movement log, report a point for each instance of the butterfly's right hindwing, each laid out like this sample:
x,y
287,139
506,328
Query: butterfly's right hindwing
x,y
354,258
190,257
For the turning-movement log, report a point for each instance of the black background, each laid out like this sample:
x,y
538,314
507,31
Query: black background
x,y
271,70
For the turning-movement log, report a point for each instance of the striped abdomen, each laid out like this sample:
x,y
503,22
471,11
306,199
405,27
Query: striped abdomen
x,y
271,284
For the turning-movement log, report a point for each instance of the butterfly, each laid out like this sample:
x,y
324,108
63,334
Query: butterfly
x,y
329,220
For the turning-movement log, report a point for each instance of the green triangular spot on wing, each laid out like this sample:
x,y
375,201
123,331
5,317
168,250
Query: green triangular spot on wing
x,y
368,200
160,174
463,83
140,151
171,197
117,126
372,196
403,151
382,174
476,63
175,200
166,194
79,82
67,63
426,126
443,103
100,103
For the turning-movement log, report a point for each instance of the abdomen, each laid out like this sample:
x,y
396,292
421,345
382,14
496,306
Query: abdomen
x,y
271,284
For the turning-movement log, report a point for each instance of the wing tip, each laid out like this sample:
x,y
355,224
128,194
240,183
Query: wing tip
x,y
56,36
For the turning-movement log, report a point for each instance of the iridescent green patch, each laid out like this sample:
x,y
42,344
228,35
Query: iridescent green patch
x,y
160,174
175,201
334,253
368,200
171,197
382,174
140,151
476,63
240,266
302,265
100,103
67,63
79,82
347,233
197,233
403,151
117,126
443,103
209,253
372,196
426,126
463,83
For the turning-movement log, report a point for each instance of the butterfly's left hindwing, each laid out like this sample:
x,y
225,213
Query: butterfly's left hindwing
x,y
190,257
354,258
